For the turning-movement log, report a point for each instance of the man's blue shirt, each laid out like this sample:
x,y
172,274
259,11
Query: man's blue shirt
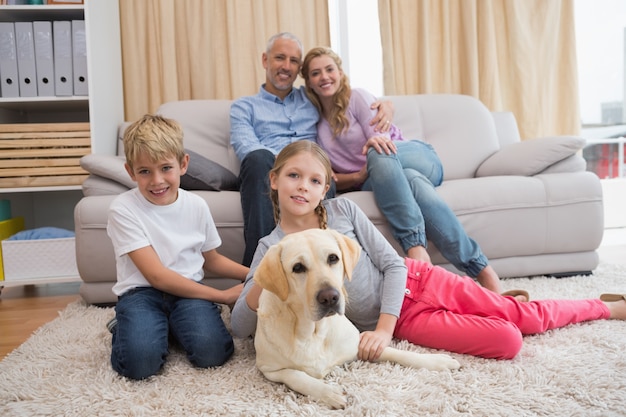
x,y
264,121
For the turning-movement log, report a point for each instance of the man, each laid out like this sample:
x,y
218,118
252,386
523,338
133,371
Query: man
x,y
263,124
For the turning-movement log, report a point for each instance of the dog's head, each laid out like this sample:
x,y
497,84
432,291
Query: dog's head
x,y
309,268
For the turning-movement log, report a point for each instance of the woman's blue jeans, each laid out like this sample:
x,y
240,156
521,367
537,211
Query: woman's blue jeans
x,y
404,189
147,317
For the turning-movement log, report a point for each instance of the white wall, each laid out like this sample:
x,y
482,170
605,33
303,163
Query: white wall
x,y
614,190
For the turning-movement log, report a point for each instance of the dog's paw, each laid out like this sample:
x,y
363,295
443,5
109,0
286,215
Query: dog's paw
x,y
334,397
442,362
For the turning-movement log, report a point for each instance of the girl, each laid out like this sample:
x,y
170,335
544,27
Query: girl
x,y
402,174
413,300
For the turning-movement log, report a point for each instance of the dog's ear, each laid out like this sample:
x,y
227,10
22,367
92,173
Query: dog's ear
x,y
270,274
350,252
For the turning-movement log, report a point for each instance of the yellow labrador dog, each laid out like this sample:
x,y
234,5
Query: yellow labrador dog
x,y
302,332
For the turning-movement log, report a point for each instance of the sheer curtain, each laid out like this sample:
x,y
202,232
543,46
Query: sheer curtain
x,y
206,49
518,56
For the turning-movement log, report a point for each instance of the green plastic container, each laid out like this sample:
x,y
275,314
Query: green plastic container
x,y
5,210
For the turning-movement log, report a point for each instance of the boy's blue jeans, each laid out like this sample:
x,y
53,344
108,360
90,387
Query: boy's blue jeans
x,y
147,317
404,189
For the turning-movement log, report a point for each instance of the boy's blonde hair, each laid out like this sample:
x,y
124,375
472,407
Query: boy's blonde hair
x,y
284,156
155,136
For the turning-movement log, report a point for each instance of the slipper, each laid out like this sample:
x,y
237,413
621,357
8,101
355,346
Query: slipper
x,y
612,297
513,293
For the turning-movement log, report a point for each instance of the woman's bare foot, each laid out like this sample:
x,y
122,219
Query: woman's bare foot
x,y
491,281
617,309
419,254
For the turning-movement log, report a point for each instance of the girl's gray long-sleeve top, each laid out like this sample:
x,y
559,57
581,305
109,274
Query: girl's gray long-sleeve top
x,y
378,281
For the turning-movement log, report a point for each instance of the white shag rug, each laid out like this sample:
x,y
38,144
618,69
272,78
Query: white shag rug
x,y
579,370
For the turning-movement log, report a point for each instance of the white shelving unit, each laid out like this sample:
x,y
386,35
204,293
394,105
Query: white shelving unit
x,y
103,108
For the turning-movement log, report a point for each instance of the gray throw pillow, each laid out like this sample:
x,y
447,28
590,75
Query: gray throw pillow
x,y
204,174
530,157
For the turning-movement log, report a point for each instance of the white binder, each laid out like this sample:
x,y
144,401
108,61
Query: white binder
x,y
62,43
9,85
44,58
79,58
25,46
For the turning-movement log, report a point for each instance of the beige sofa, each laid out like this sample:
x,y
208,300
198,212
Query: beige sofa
x,y
531,204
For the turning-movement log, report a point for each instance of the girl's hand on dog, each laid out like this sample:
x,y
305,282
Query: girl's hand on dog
x,y
372,344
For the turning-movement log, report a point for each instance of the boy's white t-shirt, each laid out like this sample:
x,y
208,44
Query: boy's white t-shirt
x,y
179,233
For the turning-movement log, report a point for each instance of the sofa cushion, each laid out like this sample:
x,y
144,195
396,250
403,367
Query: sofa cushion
x,y
204,174
97,185
530,157
107,166
573,163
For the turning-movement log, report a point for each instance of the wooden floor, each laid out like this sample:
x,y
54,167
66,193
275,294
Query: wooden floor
x,y
23,309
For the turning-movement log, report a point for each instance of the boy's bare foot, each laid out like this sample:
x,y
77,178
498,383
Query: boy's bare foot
x,y
418,253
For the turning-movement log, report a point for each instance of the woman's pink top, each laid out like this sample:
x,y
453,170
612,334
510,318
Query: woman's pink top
x,y
345,151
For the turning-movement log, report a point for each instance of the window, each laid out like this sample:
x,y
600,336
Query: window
x,y
600,33
355,36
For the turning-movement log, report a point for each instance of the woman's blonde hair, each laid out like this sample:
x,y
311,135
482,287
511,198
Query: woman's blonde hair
x,y
284,156
154,136
338,120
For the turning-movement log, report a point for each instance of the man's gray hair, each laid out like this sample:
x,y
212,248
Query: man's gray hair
x,y
284,35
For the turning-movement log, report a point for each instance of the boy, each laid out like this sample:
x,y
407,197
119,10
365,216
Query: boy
x,y
164,237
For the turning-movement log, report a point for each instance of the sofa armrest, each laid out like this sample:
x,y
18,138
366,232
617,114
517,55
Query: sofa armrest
x,y
506,128
530,157
95,257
